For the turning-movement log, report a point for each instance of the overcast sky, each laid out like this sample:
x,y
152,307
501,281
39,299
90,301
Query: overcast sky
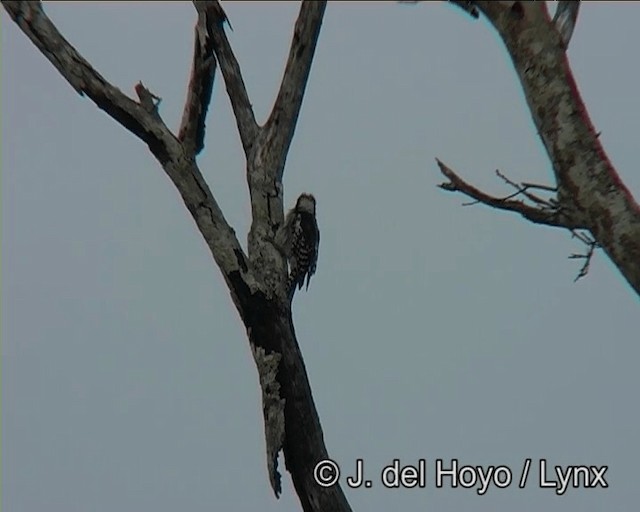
x,y
430,330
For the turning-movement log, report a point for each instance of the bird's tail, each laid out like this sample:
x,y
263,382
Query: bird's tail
x,y
293,283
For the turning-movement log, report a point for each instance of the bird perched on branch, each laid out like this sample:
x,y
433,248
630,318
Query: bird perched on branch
x,y
299,239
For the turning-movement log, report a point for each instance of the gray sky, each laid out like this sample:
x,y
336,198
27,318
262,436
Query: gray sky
x,y
429,331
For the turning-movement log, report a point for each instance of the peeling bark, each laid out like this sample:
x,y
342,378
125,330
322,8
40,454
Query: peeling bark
x,y
192,127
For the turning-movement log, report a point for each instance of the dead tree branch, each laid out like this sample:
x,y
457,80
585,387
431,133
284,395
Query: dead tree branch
x,y
257,281
591,194
280,126
587,181
203,69
142,120
265,170
545,212
243,111
592,245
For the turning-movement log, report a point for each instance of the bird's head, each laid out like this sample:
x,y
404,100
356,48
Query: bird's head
x,y
306,203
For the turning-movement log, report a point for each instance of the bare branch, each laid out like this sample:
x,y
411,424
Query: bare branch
x,y
143,121
137,118
548,215
203,69
565,19
236,89
548,188
592,246
588,184
523,189
547,211
281,124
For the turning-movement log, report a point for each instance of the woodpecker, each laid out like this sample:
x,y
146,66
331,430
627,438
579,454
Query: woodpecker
x,y
299,239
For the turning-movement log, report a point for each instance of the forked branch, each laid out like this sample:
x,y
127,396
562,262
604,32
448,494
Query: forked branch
x,y
281,124
544,211
143,120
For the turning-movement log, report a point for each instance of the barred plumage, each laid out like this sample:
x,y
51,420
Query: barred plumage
x,y
299,239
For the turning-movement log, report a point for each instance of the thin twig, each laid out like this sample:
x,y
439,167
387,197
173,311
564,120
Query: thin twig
x,y
523,189
592,246
550,216
549,213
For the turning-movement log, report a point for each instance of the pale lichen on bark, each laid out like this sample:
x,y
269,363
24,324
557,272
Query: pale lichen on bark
x,y
273,410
